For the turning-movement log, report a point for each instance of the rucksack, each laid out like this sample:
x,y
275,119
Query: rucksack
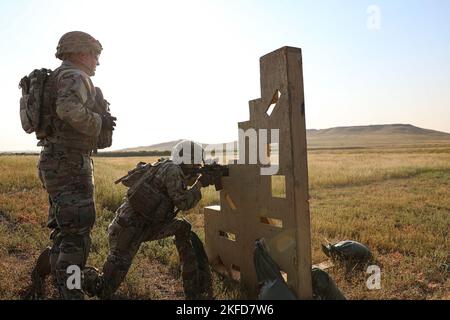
x,y
272,285
324,287
151,203
32,101
134,175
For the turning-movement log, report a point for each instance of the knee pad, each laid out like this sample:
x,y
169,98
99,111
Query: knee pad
x,y
185,225
75,218
183,231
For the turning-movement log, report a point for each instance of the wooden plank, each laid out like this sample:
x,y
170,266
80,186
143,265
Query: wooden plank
x,y
251,194
299,150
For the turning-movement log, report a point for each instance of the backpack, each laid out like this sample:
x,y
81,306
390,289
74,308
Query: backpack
x,y
324,287
272,285
149,202
32,100
134,175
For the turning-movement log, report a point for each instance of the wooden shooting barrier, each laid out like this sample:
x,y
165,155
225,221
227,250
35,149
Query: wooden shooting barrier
x,y
276,208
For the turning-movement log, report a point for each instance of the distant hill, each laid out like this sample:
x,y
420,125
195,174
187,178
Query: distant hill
x,y
375,135
384,129
165,146
355,136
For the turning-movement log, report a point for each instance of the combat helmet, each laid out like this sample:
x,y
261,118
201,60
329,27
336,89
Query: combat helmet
x,y
348,250
75,42
187,152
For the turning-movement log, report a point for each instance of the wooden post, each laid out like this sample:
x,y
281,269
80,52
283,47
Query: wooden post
x,y
274,207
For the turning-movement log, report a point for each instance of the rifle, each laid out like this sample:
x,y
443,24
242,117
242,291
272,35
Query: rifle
x,y
215,170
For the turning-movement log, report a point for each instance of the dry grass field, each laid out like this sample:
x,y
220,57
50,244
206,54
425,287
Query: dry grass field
x,y
396,201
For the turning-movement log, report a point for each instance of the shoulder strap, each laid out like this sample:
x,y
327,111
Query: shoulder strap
x,y
147,176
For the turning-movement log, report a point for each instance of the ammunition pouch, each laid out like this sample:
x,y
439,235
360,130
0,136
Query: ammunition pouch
x,y
76,219
104,139
153,205
144,199
102,107
148,201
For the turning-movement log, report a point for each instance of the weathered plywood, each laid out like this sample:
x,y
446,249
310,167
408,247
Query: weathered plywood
x,y
249,210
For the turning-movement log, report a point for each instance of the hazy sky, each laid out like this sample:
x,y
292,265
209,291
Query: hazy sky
x,y
187,69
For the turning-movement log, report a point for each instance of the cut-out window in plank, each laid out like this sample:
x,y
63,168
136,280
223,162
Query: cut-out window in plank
x,y
236,272
278,186
228,235
215,208
272,222
230,202
274,102
219,265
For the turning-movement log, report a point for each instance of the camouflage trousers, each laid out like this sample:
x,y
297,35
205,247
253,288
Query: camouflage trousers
x,y
67,175
128,231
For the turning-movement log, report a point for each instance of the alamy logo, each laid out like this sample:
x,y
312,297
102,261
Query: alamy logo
x,y
74,280
255,146
259,148
374,281
374,18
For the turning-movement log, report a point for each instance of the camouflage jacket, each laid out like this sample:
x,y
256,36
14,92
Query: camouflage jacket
x,y
168,180
75,124
171,180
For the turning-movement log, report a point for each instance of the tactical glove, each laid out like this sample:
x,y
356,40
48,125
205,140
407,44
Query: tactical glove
x,y
108,121
206,180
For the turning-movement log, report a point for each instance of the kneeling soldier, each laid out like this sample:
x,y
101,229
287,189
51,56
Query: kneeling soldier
x,y
157,193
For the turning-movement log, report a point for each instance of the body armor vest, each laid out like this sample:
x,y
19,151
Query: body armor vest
x,y
146,196
53,129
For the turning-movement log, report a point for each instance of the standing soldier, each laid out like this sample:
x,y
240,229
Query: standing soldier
x,y
70,130
149,214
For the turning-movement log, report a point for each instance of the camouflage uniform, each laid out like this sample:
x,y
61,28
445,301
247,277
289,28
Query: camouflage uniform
x,y
66,171
129,229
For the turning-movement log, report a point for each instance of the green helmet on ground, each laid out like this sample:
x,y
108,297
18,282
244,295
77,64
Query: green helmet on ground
x,y
77,42
348,250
